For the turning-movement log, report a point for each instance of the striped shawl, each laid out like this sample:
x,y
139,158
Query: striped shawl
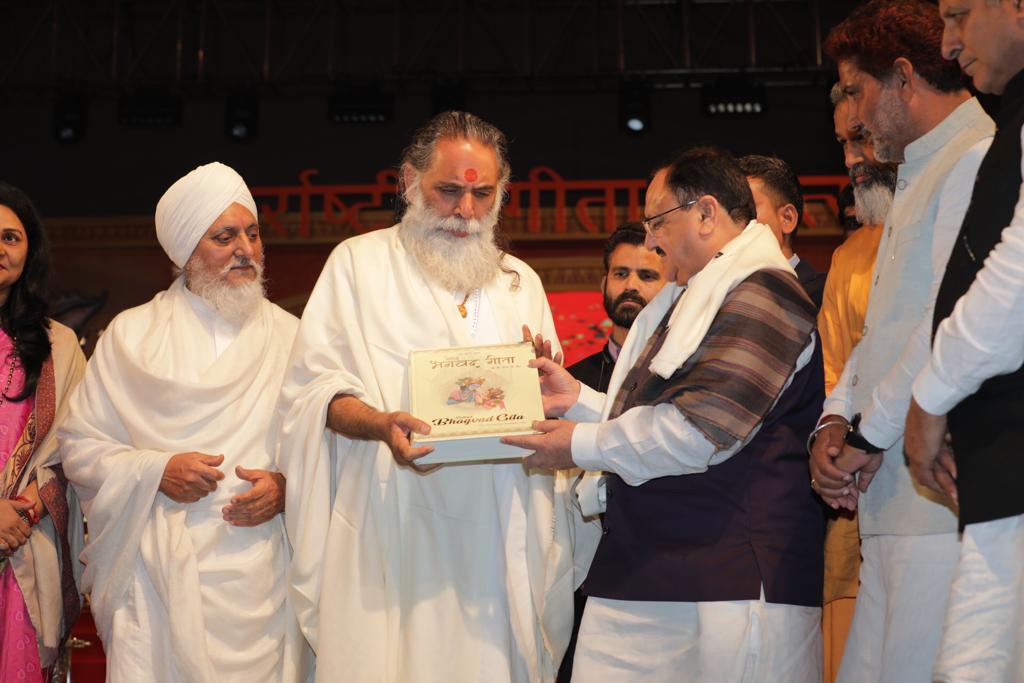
x,y
730,383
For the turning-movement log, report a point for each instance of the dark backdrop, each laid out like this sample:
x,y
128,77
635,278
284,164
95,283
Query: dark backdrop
x,y
117,170
547,72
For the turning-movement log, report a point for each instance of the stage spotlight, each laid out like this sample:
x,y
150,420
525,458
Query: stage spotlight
x,y
635,107
150,108
242,116
360,105
733,97
70,118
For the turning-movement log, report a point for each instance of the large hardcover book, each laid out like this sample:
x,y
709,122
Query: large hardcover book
x,y
472,396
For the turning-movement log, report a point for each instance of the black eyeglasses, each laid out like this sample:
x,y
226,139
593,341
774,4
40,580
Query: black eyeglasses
x,y
647,222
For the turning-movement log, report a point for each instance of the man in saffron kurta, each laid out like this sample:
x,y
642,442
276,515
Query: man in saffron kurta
x,y
840,324
169,445
400,575
845,300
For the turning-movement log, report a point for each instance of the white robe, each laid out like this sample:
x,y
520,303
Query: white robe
x,y
178,594
460,574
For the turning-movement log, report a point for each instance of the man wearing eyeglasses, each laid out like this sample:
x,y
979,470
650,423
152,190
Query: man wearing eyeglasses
x,y
709,566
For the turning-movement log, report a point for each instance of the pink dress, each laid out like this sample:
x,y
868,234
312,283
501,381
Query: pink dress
x,y
19,654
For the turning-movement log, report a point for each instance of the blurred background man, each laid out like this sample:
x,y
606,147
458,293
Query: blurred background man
x,y
780,206
633,274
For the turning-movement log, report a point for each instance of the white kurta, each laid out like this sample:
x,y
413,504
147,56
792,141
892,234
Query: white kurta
x,y
178,594
460,574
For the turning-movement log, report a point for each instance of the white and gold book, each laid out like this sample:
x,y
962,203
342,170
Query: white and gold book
x,y
472,396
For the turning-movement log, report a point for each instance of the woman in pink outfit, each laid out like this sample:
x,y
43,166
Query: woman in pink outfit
x,y
40,520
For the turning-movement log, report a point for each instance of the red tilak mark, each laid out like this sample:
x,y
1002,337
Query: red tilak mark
x,y
470,175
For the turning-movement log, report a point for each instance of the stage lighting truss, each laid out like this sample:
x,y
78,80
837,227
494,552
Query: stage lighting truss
x,y
733,98
150,108
360,105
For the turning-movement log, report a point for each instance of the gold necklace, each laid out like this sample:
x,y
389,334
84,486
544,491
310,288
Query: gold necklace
x,y
462,308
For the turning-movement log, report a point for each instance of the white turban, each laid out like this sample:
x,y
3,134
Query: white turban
x,y
193,203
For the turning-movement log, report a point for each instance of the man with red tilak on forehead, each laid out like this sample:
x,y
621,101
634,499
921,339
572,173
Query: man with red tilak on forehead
x,y
400,574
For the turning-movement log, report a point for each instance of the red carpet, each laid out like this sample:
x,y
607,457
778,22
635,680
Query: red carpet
x,y
88,664
583,326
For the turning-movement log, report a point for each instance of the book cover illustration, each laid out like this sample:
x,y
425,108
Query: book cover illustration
x,y
475,391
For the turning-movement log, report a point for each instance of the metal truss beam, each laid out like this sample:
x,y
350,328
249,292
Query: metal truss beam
x,y
294,44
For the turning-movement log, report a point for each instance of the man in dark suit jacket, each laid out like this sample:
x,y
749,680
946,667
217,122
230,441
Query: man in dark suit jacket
x,y
633,274
780,206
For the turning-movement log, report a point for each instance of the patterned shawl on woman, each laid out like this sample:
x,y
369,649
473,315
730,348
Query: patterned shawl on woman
x,y
47,567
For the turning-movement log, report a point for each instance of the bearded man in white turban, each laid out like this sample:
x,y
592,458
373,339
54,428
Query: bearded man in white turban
x,y
403,575
168,443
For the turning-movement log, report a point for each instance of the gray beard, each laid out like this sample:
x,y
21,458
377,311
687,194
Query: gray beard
x,y
872,202
890,118
888,152
459,264
234,303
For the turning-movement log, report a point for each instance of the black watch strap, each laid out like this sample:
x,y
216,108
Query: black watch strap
x,y
857,440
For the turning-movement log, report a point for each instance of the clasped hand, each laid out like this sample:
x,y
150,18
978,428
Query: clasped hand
x,y
928,449
260,503
188,477
191,476
14,530
840,472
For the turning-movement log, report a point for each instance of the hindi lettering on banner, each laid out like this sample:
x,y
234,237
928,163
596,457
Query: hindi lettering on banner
x,y
543,204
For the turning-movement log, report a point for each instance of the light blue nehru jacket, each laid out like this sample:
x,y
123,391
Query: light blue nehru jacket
x,y
938,172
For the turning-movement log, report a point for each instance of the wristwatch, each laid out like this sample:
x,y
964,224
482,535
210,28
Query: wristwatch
x,y
857,440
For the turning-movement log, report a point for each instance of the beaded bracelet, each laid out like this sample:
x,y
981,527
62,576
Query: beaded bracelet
x,y
30,515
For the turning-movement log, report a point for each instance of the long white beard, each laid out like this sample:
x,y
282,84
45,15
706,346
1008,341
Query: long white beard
x,y
234,302
460,264
872,202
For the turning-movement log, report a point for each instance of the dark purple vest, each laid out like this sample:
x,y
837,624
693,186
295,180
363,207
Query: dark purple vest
x,y
720,535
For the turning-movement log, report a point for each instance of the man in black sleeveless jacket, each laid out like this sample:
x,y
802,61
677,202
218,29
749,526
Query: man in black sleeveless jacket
x,y
973,385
